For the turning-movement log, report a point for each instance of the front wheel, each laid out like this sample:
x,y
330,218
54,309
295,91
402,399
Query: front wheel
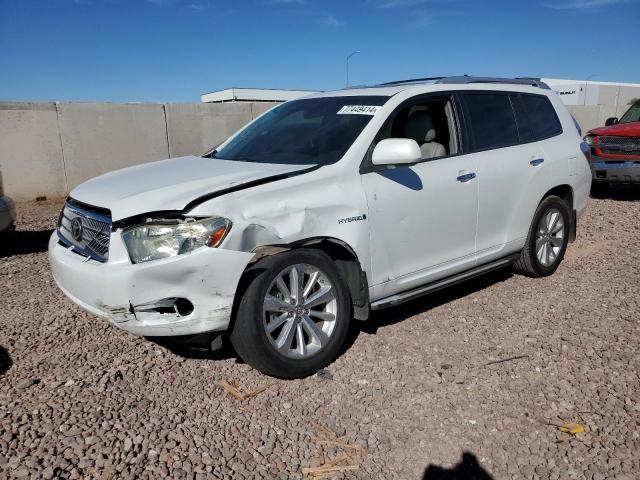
x,y
547,239
294,315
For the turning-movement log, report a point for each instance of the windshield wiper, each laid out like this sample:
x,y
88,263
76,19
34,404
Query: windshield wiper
x,y
244,159
213,153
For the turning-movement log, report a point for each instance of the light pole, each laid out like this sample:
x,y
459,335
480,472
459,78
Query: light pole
x,y
348,57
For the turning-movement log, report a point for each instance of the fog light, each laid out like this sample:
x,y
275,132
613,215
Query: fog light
x,y
177,307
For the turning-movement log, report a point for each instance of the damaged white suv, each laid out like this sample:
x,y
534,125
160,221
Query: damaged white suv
x,y
324,208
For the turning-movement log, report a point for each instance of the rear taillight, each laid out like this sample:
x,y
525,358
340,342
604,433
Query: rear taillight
x,y
586,151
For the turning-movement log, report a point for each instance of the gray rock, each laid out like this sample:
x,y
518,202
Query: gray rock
x,y
26,383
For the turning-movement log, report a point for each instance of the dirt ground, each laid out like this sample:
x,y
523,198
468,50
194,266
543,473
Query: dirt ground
x,y
471,382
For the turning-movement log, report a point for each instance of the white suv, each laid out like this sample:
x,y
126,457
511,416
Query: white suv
x,y
7,211
325,208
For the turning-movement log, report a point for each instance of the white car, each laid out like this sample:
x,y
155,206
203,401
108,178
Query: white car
x,y
7,211
325,208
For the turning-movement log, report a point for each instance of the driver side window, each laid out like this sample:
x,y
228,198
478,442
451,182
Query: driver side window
x,y
431,123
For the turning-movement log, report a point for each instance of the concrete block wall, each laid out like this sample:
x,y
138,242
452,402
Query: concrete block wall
x,y
591,116
46,149
31,158
98,138
198,127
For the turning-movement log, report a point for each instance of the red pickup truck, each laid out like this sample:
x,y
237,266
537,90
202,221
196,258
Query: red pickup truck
x,y
615,149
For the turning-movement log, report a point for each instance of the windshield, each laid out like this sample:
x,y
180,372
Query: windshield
x,y
633,114
316,131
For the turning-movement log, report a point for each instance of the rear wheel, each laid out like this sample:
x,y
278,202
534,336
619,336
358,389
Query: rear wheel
x,y
547,239
294,315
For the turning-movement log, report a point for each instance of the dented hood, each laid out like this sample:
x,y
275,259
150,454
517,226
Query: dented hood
x,y
170,184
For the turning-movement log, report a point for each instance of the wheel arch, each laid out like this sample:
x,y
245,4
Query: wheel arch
x,y
565,192
344,256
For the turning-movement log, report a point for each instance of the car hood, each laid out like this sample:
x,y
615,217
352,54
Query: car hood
x,y
631,129
170,184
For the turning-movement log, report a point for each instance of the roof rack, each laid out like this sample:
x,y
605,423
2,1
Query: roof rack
x,y
535,82
464,79
412,80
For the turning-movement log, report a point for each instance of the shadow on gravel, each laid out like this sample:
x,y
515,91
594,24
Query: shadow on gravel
x,y
196,347
390,316
21,242
5,360
195,350
468,469
622,193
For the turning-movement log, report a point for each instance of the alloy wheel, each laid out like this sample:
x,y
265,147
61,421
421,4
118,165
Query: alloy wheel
x,y
549,237
300,311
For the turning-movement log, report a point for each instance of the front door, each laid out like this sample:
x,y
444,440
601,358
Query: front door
x,y
422,217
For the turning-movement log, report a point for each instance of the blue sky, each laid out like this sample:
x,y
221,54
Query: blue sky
x,y
175,50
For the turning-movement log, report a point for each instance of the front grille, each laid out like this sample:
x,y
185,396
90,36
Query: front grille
x,y
619,145
85,229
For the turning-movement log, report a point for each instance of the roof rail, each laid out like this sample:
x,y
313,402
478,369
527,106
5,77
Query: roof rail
x,y
463,79
535,82
411,80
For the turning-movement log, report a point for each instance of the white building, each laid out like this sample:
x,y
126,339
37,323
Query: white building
x,y
253,95
591,103
580,92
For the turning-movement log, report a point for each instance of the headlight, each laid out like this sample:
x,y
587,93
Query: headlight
x,y
160,240
590,139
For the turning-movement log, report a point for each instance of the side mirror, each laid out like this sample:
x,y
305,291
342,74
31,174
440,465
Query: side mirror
x,y
392,151
611,121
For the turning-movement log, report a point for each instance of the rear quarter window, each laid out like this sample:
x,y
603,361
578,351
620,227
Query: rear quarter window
x,y
537,119
491,119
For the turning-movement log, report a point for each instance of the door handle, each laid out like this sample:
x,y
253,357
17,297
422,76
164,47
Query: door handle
x,y
466,177
536,161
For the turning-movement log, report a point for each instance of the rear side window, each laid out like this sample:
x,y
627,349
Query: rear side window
x,y
492,121
537,118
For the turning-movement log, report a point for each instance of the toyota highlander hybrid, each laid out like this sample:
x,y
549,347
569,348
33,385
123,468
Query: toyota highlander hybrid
x,y
325,208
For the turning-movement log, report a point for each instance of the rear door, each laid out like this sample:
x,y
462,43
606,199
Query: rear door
x,y
512,170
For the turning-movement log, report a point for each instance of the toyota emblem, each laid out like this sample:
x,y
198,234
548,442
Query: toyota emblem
x,y
76,229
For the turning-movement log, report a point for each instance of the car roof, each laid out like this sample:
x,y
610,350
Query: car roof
x,y
527,85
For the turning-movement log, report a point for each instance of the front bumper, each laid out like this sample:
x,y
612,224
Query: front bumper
x,y
7,214
615,171
127,295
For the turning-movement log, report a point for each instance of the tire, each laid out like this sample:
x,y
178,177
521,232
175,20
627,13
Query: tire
x,y
530,263
264,306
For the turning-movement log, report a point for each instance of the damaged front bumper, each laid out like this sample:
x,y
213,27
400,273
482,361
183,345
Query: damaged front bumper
x,y
182,295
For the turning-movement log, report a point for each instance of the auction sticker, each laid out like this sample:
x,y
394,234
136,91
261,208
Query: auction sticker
x,y
358,110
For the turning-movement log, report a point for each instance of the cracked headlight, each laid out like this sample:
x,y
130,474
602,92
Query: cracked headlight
x,y
161,240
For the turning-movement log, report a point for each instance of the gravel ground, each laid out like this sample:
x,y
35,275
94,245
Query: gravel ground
x,y
471,382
